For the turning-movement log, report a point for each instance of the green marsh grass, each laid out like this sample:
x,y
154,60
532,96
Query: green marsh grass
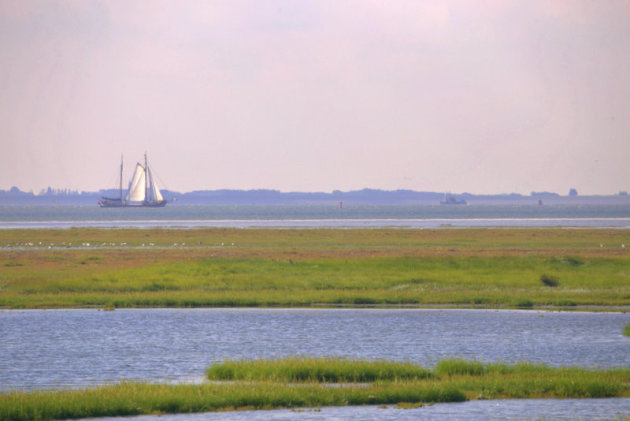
x,y
468,267
453,367
626,330
138,398
326,370
305,382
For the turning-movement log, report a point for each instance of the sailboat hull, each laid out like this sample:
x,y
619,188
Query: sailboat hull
x,y
159,204
108,203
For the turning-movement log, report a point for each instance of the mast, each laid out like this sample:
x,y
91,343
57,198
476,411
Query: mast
x,y
121,175
146,179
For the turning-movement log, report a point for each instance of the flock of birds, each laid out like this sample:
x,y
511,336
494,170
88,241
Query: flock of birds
x,y
67,245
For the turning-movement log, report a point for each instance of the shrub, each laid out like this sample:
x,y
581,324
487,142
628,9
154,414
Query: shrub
x,y
549,280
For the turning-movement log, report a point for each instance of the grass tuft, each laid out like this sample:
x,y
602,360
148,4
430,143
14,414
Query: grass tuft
x,y
13,264
459,367
524,303
309,369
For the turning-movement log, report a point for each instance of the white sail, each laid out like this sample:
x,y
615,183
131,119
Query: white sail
x,y
153,192
137,185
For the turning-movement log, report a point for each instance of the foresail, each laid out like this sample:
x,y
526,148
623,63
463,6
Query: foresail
x,y
137,185
153,192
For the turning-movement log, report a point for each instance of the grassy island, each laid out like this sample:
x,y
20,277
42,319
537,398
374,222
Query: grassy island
x,y
317,382
509,268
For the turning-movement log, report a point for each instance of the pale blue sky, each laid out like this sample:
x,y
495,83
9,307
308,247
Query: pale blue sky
x,y
483,97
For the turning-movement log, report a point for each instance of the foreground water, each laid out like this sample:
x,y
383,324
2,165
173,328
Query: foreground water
x,y
53,348
615,215
514,409
70,348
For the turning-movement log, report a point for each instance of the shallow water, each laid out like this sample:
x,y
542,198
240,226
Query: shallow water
x,y
54,348
514,409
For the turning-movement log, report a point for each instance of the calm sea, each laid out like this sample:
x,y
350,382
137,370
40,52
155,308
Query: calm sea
x,y
318,216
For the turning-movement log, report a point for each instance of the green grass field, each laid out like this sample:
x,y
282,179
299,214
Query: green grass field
x,y
494,268
307,382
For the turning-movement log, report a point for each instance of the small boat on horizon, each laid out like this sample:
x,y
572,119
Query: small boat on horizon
x,y
452,200
142,192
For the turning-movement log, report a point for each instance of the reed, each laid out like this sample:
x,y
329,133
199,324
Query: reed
x,y
310,369
626,330
453,366
304,382
140,398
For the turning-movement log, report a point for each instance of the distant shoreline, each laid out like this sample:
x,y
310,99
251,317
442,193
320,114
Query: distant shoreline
x,y
270,196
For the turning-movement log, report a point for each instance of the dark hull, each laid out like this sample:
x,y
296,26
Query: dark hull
x,y
159,204
109,203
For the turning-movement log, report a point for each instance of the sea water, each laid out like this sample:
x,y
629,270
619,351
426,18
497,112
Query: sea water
x,y
318,216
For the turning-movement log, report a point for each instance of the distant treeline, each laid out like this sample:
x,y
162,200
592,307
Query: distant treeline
x,y
267,196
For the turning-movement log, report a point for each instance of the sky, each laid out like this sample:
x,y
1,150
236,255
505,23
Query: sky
x,y
485,97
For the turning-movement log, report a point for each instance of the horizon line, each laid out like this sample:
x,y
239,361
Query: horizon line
x,y
69,191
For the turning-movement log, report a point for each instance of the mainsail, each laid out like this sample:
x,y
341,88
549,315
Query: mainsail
x,y
137,186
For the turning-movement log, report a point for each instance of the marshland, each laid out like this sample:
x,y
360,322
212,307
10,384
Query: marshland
x,y
345,209
306,293
490,268
307,383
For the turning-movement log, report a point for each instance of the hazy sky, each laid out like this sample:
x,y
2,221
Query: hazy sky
x,y
477,96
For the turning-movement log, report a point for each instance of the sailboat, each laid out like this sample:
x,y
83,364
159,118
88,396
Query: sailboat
x,y
451,200
142,192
